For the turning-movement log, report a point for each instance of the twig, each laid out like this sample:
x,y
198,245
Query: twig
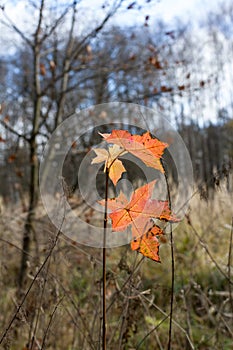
x,y
40,305
50,322
127,320
31,285
67,293
10,24
76,308
152,330
123,321
147,308
13,131
208,306
164,319
128,280
203,243
187,312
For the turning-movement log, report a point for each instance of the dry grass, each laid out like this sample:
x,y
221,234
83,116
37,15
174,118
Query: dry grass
x,y
63,309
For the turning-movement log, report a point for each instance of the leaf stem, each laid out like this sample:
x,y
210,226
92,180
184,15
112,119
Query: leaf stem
x,y
104,262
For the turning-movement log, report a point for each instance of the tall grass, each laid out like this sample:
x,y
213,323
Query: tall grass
x,y
65,299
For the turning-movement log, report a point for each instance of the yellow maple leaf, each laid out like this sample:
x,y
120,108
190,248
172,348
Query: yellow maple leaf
x,y
112,163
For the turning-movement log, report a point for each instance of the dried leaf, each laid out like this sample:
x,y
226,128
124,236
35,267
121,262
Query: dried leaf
x,y
166,89
2,139
89,49
6,119
181,87
11,158
42,69
52,65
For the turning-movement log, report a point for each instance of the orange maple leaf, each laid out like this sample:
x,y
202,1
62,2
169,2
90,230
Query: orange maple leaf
x,y
138,211
144,147
148,243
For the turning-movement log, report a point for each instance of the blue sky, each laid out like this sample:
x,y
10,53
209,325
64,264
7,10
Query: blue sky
x,y
91,13
166,10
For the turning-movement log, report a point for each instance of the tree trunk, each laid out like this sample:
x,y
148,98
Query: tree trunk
x,y
34,166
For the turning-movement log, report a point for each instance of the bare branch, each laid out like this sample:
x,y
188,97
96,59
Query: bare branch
x,y
55,25
94,32
13,26
13,131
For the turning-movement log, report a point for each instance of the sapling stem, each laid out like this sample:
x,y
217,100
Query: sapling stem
x,y
104,261
172,265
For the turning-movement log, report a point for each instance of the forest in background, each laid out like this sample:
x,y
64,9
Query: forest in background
x,y
184,71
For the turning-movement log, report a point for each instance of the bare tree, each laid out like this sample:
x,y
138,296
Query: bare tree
x,y
39,85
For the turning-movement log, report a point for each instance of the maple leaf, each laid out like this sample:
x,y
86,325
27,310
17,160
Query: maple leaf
x,y
144,147
148,243
114,165
138,211
129,212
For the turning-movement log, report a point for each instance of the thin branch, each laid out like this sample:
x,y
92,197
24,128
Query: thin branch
x,y
13,131
15,246
66,70
164,319
128,280
14,317
101,69
56,23
38,28
95,31
204,245
27,323
11,25
76,308
50,322
40,306
67,293
151,331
